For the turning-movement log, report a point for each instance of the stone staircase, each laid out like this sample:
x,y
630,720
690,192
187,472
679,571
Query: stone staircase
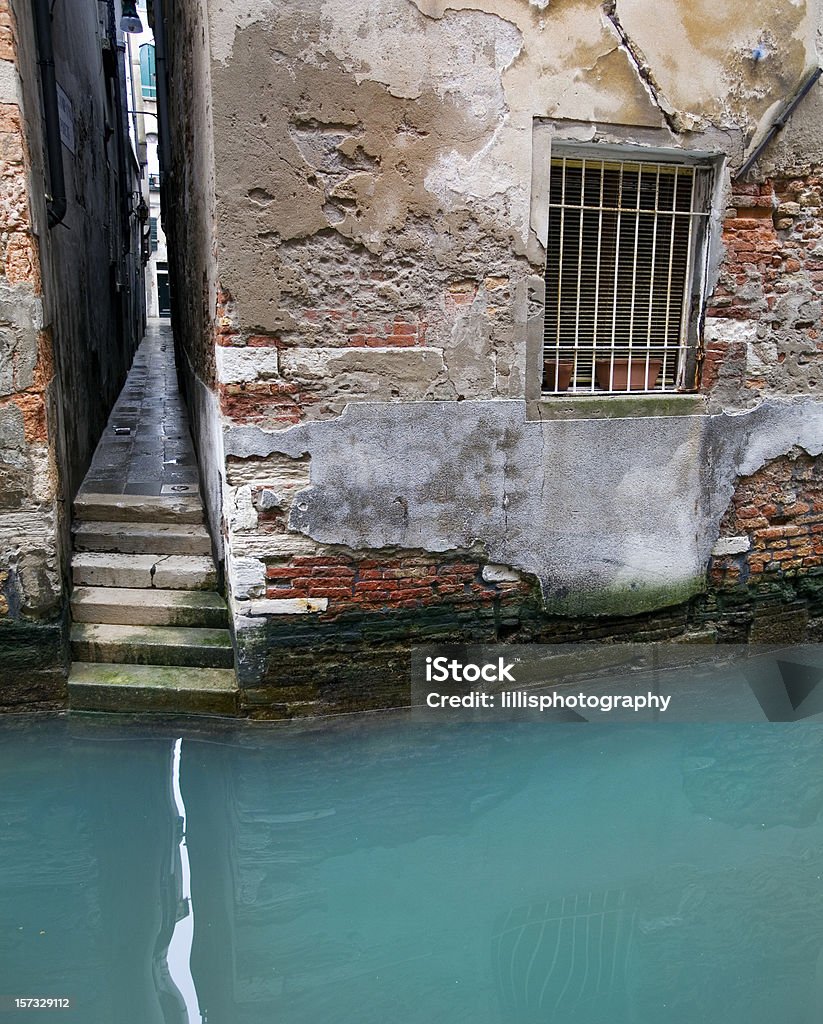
x,y
149,630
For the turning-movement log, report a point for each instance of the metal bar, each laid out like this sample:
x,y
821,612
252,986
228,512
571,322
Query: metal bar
x,y
669,278
560,276
684,315
778,123
634,283
616,271
597,275
651,272
579,272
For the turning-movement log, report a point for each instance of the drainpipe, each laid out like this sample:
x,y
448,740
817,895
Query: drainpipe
x,y
779,122
56,198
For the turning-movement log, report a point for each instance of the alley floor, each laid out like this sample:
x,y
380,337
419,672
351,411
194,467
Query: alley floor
x,y
149,625
146,447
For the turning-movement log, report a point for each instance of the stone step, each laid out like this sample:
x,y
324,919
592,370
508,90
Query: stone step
x,y
170,572
129,607
166,688
152,645
137,508
143,538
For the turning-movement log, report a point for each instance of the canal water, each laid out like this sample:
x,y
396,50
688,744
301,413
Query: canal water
x,y
382,871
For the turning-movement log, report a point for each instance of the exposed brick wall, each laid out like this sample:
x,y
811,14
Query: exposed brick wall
x,y
767,302
780,510
18,255
6,32
386,584
364,334
19,260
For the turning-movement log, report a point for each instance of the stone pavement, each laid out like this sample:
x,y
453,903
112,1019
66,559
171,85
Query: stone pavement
x,y
146,447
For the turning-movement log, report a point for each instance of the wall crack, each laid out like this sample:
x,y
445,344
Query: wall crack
x,y
643,69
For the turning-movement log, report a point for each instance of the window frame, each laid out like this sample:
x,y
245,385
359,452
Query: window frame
x,y
549,141
148,71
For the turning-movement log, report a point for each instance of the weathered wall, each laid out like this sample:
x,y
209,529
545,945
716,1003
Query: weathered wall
x,y
772,533
378,175
189,220
30,585
70,318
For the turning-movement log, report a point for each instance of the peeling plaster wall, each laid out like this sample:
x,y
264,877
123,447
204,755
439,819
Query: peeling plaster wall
x,y
376,182
609,515
29,563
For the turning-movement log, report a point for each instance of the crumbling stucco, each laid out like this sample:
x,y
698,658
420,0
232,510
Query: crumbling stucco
x,y
609,515
380,190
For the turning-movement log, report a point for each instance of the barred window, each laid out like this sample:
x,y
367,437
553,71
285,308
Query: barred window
x,y
624,265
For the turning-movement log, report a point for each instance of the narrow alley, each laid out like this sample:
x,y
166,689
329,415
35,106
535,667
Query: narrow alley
x,y
149,629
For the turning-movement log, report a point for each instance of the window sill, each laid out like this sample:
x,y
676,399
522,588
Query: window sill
x,y
607,407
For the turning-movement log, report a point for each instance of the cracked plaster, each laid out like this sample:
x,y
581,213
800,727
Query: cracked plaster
x,y
356,172
603,512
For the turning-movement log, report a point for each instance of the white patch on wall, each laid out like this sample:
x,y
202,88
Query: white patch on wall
x,y
279,606
9,82
242,514
227,19
723,328
450,54
492,171
243,365
248,577
494,573
761,356
732,545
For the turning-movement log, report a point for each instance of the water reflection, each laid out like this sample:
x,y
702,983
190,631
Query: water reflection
x,y
89,874
509,874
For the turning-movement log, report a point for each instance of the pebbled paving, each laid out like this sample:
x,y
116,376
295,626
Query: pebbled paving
x,y
146,447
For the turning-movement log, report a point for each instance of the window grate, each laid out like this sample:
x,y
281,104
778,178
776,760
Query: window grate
x,y
621,253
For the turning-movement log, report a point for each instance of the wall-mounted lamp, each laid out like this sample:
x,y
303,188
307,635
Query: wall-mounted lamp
x,y
139,207
130,19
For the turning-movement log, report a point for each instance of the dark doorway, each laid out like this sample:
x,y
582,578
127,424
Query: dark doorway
x,y
163,297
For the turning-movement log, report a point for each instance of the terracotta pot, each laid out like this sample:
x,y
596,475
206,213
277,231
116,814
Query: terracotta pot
x,y
620,375
560,372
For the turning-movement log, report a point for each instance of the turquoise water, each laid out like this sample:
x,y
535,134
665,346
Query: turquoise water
x,y
385,872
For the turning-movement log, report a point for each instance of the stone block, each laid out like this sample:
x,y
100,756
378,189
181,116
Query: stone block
x,y
142,538
376,372
732,545
152,645
124,606
106,687
244,365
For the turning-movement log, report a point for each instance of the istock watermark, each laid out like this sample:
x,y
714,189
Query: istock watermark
x,y
522,699
620,682
442,670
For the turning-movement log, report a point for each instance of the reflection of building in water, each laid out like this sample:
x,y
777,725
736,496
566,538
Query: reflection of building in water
x,y
376,874
556,959
295,916
89,873
597,958
448,876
